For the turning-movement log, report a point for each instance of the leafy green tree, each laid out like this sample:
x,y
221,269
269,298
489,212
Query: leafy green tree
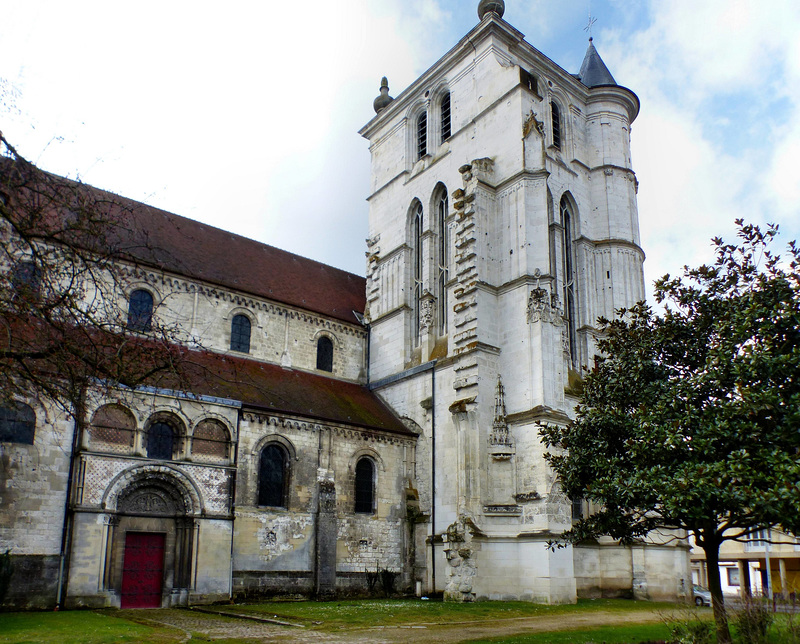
x,y
691,421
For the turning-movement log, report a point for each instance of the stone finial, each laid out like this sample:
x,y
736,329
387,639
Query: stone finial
x,y
500,438
383,99
485,7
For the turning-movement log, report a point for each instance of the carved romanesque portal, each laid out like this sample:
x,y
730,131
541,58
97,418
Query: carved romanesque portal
x,y
150,543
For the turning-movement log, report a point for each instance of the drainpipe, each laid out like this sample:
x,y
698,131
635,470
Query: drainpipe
x,y
768,565
233,496
369,343
66,528
433,478
398,377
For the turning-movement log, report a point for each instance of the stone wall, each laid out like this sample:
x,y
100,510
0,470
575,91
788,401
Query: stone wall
x,y
202,314
33,485
294,549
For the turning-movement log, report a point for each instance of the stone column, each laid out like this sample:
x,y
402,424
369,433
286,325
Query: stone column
x,y
639,573
744,578
326,535
784,579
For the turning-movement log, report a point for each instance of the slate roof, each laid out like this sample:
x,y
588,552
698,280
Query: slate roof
x,y
593,70
270,387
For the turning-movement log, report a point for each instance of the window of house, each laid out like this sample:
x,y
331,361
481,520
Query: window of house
x,y
140,310
422,135
569,276
210,441
757,540
17,424
555,118
160,441
733,576
417,273
444,259
273,471
446,129
324,354
240,333
26,278
365,486
113,429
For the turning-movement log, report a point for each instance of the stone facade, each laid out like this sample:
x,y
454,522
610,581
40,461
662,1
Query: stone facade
x,y
499,233
528,211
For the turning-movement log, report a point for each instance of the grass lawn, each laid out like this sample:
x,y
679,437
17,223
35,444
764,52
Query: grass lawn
x,y
392,612
77,627
608,635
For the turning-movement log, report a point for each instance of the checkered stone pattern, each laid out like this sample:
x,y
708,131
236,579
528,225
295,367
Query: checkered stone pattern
x,y
214,484
98,473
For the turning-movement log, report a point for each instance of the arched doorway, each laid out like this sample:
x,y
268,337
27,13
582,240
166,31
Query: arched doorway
x,y
151,549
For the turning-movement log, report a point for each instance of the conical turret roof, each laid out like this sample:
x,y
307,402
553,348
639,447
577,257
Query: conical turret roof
x,y
593,70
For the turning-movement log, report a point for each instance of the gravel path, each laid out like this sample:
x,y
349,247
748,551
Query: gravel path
x,y
213,627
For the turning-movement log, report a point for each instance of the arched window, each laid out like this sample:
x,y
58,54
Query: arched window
x,y
240,333
324,353
442,208
113,429
569,275
210,441
422,135
555,118
17,424
417,269
26,278
273,474
140,310
160,441
365,486
446,129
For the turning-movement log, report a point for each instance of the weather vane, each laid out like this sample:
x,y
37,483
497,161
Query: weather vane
x,y
588,28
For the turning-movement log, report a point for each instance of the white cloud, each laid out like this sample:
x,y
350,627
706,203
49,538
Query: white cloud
x,y
717,138
247,116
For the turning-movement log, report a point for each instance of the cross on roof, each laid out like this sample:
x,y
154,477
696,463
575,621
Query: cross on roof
x,y
588,28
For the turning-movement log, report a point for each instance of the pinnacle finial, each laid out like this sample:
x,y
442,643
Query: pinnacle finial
x,y
486,7
383,99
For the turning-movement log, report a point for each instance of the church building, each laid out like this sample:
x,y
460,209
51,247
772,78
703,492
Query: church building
x,y
335,426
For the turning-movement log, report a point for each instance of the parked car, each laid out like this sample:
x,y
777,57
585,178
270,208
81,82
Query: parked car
x,y
702,596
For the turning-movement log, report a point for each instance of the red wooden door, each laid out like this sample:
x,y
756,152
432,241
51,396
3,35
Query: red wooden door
x,y
142,570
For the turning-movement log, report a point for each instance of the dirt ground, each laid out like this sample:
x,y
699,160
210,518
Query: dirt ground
x,y
216,627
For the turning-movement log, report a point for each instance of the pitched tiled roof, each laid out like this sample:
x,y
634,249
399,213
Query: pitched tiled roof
x,y
202,252
266,386
189,248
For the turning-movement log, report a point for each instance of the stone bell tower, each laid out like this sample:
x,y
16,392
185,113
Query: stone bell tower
x,y
503,223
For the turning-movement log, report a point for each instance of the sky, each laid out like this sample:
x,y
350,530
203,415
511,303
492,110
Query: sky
x,y
244,115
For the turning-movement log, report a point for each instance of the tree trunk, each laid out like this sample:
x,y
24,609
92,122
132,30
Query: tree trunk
x,y
711,548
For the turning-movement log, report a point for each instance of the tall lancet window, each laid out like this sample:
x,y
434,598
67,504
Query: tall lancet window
x,y
422,135
416,226
446,130
569,277
443,259
555,118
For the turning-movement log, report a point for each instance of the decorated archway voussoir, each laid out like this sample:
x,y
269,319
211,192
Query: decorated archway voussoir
x,y
147,475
